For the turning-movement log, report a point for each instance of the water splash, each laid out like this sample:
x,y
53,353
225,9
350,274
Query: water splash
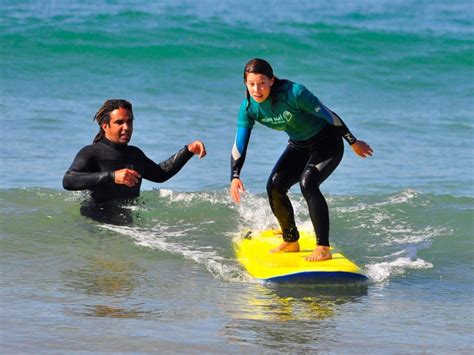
x,y
166,238
382,271
389,235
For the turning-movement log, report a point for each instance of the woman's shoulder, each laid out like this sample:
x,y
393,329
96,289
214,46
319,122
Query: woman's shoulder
x,y
300,92
290,88
284,85
297,88
244,103
247,106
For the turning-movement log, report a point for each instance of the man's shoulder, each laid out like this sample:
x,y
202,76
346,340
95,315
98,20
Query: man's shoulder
x,y
88,149
93,149
135,150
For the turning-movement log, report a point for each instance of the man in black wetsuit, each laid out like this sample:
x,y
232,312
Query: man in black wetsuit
x,y
113,170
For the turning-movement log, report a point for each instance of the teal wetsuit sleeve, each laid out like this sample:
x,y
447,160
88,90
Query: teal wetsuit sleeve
x,y
245,124
245,118
311,104
239,151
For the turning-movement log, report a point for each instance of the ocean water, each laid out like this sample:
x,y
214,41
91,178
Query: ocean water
x,y
160,275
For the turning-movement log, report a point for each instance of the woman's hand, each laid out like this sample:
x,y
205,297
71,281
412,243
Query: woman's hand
x,y
197,147
362,149
127,177
236,188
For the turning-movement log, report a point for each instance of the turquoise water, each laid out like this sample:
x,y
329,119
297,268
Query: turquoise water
x,y
399,73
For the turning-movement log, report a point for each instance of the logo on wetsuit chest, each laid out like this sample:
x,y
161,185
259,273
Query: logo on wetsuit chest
x,y
284,117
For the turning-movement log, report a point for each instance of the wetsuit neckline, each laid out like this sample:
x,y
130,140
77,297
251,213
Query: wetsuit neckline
x,y
268,99
117,146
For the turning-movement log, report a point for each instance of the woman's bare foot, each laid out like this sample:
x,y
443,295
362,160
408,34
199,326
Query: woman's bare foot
x,y
286,247
320,253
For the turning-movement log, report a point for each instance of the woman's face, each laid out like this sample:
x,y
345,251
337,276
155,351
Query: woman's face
x,y
259,86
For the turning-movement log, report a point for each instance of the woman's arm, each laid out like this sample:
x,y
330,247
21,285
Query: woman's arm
x,y
310,103
239,151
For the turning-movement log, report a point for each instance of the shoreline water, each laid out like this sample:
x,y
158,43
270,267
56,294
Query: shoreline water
x,y
174,271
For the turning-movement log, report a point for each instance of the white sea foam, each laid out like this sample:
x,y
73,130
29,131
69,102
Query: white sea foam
x,y
177,196
75,196
394,229
379,272
400,198
399,262
256,214
162,238
408,235
390,229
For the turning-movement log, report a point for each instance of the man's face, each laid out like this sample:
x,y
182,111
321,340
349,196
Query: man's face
x,y
120,128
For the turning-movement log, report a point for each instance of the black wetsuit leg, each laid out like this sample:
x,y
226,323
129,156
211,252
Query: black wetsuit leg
x,y
310,163
285,174
316,171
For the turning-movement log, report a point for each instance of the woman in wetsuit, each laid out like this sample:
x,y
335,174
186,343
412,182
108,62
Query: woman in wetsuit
x,y
113,170
314,150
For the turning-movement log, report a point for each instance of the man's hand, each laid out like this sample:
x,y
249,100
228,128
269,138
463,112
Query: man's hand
x,y
197,147
127,177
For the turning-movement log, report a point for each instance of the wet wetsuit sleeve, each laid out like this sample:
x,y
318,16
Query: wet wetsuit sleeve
x,y
168,168
311,104
239,150
81,174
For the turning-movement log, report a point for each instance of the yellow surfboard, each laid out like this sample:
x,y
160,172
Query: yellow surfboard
x,y
253,252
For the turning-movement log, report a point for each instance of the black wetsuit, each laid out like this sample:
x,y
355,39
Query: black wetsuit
x,y
309,163
94,166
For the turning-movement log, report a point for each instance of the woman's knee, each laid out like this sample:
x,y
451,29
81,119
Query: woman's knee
x,y
276,185
309,181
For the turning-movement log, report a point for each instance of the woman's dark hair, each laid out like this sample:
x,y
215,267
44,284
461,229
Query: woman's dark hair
x,y
261,66
103,115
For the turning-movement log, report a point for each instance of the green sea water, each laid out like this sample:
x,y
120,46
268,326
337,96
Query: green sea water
x,y
160,275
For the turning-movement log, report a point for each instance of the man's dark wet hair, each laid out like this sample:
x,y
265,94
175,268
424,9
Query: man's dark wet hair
x,y
103,115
